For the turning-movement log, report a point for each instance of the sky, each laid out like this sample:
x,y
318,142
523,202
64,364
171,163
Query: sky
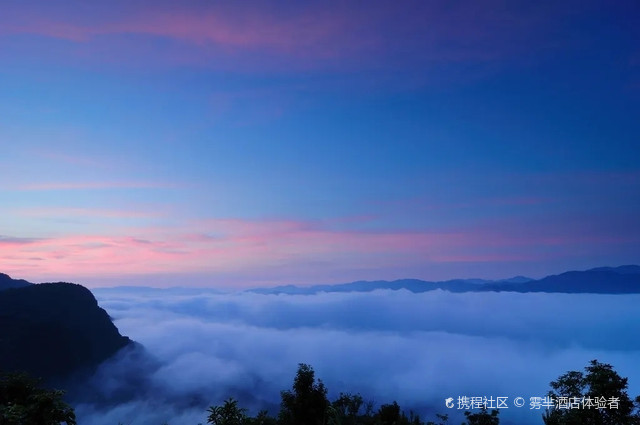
x,y
243,144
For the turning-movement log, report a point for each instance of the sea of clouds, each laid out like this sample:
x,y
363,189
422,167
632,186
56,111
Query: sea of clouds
x,y
199,347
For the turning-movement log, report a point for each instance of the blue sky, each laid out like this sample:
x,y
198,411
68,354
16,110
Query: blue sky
x,y
242,144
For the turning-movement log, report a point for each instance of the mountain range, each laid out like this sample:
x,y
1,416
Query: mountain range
x,y
600,280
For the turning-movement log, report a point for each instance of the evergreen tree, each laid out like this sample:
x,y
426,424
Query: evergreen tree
x,y
306,403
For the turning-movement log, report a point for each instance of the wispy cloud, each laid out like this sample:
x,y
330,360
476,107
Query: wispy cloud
x,y
87,212
306,251
12,241
94,185
302,35
75,159
427,204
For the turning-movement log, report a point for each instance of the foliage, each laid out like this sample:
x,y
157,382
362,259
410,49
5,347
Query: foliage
x,y
482,418
345,409
227,414
444,419
23,401
599,381
389,414
262,418
306,403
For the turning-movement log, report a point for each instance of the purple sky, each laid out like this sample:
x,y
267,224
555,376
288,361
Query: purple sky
x,y
246,144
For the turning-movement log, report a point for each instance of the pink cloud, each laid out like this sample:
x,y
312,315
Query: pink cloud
x,y
246,29
228,246
82,255
214,31
300,35
241,244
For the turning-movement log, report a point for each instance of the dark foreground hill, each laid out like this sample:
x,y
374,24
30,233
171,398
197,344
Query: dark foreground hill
x,y
54,330
7,283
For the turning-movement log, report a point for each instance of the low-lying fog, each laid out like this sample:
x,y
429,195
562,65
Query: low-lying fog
x,y
418,349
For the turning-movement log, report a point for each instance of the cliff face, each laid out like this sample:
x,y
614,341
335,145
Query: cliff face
x,y
53,330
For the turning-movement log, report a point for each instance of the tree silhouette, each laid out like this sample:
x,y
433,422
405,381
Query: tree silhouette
x,y
23,401
443,420
596,397
307,403
482,418
262,418
227,414
389,414
346,408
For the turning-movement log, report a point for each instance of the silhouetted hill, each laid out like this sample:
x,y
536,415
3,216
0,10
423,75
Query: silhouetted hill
x,y
54,330
601,280
631,269
6,282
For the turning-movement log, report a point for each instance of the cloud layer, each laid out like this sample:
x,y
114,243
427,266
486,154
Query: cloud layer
x,y
414,348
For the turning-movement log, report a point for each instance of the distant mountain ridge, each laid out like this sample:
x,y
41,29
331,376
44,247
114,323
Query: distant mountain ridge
x,y
600,280
54,330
